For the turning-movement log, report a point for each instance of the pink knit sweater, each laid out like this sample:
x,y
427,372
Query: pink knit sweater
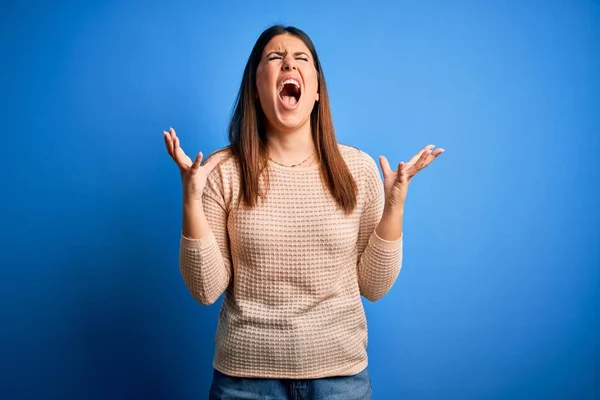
x,y
293,271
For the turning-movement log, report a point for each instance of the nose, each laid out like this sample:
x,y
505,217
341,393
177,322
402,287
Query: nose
x,y
289,64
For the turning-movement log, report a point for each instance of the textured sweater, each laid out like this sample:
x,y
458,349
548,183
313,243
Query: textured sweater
x,y
292,271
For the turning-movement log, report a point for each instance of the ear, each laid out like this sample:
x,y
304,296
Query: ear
x,y
317,98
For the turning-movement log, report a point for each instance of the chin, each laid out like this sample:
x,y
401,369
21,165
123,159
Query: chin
x,y
292,122
283,119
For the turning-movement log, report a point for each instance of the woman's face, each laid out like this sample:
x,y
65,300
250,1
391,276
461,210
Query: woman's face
x,y
287,84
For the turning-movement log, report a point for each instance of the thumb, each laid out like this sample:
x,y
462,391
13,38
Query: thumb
x,y
385,166
196,164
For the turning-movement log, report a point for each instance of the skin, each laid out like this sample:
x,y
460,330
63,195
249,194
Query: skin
x,y
193,180
289,140
395,183
288,132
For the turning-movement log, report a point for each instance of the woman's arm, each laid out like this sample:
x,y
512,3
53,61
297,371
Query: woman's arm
x,y
380,263
390,226
379,240
204,254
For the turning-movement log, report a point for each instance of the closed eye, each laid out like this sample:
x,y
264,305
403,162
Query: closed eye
x,y
301,56
275,55
279,55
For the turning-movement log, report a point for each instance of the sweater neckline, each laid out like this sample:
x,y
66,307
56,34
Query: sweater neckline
x,y
276,166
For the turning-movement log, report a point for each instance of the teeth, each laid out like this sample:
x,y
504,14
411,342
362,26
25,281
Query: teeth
x,y
291,81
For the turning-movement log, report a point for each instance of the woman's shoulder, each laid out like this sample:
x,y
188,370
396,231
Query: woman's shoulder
x,y
225,173
363,168
227,162
225,152
357,159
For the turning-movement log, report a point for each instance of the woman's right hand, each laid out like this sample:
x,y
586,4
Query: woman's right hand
x,y
193,174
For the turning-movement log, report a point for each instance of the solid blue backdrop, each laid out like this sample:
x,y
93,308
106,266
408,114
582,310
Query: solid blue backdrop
x,y
499,293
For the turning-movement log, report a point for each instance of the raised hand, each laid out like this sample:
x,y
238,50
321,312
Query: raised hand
x,y
193,173
396,182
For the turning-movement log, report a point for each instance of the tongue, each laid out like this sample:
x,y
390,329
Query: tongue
x,y
290,100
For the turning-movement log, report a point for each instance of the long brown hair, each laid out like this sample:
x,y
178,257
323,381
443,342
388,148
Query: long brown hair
x,y
247,133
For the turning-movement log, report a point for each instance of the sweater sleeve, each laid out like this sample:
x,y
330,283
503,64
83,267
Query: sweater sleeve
x,y
205,263
379,260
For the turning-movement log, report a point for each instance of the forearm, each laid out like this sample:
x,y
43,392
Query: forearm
x,y
381,261
379,266
203,268
390,225
195,224
201,262
380,240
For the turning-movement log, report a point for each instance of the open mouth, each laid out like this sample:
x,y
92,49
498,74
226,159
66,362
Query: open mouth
x,y
290,92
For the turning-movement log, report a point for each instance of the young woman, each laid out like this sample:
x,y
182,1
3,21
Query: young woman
x,y
293,227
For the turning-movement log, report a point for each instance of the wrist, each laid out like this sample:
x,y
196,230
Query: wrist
x,y
390,225
192,205
394,209
395,199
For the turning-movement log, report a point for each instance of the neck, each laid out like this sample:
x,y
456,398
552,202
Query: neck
x,y
290,147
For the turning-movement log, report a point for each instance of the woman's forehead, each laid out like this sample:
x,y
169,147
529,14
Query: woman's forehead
x,y
288,43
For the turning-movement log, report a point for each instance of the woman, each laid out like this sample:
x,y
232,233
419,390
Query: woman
x,y
293,228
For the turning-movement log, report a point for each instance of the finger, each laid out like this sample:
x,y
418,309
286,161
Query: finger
x,y
431,156
401,172
410,170
178,153
168,143
176,146
416,156
429,148
385,166
173,138
196,164
422,161
437,152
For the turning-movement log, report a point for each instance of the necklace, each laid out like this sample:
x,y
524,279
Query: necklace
x,y
293,165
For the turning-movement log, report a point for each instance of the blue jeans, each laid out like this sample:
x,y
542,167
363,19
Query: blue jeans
x,y
355,387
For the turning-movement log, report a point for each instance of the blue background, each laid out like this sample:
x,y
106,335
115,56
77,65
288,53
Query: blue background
x,y
499,294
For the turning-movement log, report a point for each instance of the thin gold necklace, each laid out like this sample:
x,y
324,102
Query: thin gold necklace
x,y
293,165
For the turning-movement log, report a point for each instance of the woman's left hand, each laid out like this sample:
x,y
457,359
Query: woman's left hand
x,y
396,182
